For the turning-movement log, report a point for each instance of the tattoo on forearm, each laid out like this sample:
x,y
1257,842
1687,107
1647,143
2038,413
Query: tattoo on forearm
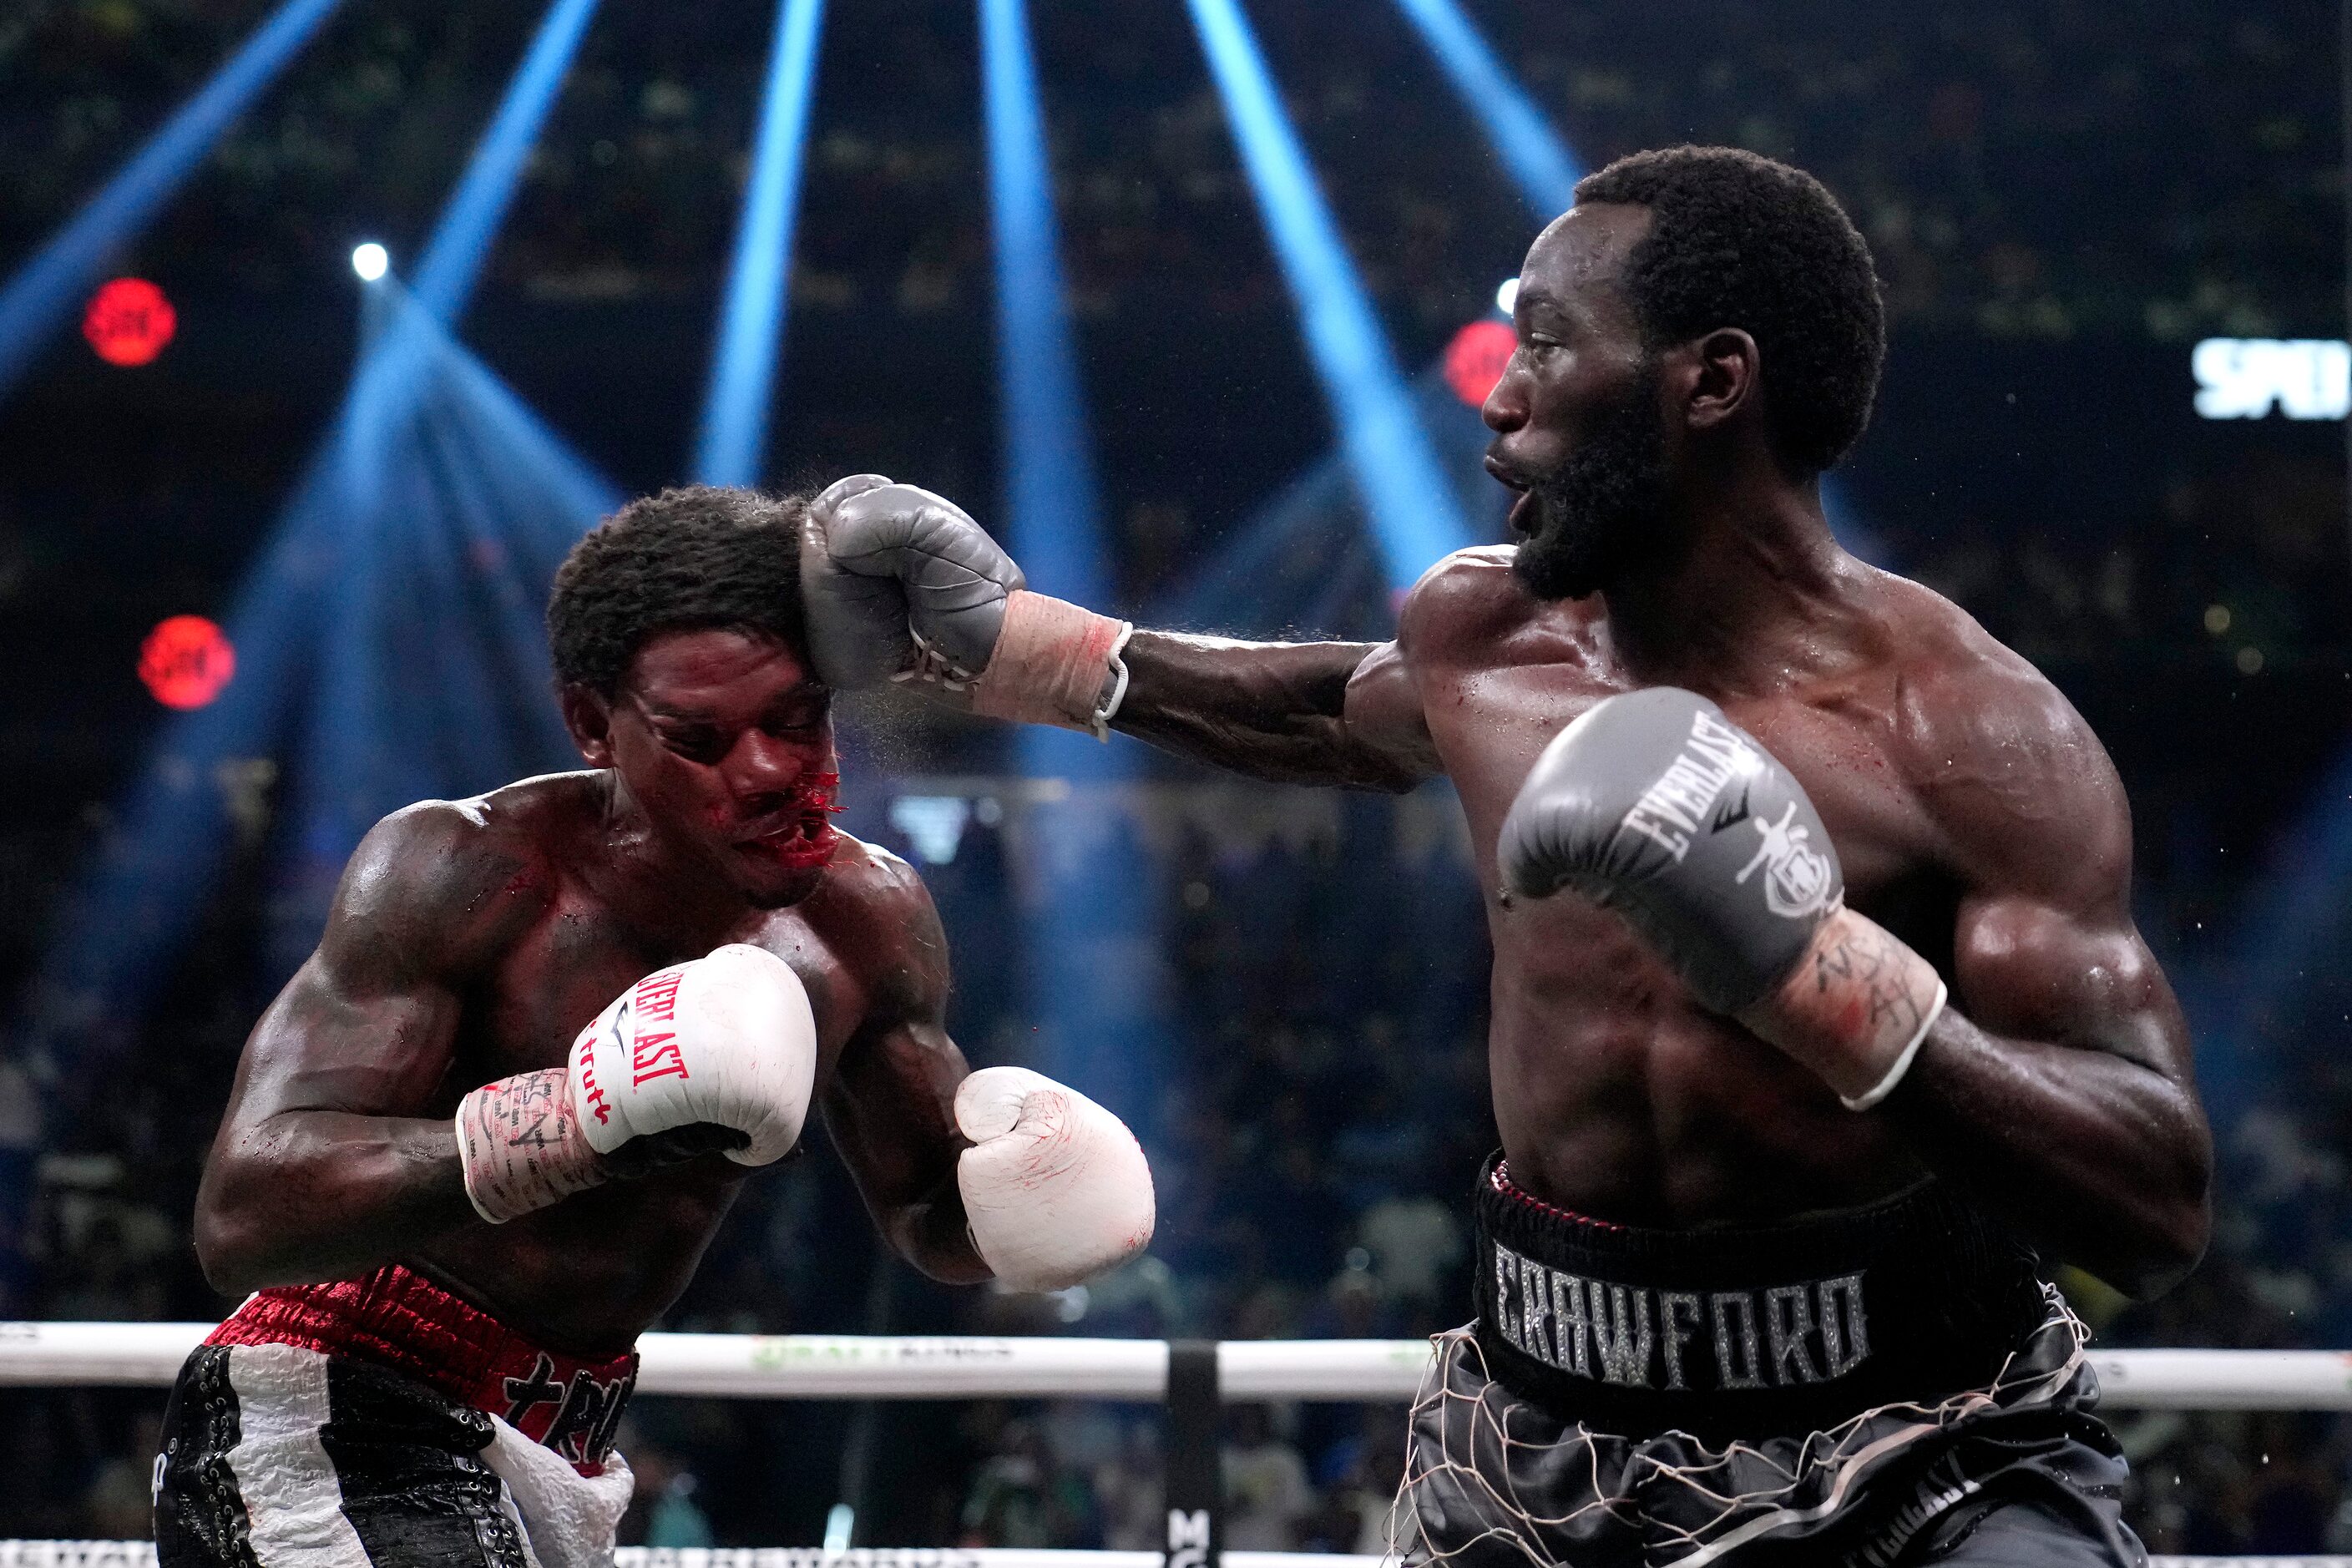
x,y
1876,977
1853,1008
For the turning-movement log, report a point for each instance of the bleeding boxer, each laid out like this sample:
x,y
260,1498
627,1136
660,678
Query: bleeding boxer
x,y
1821,1025
480,1142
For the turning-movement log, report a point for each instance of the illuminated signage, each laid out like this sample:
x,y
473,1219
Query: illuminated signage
x,y
129,322
2245,378
185,661
1476,358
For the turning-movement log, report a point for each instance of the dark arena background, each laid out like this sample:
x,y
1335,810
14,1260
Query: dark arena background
x,y
326,328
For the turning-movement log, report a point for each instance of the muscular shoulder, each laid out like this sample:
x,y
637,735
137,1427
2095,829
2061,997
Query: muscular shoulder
x,y
2010,770
877,919
443,885
1469,599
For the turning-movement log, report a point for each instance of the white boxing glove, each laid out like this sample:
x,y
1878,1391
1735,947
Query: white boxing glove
x,y
727,1040
1054,1187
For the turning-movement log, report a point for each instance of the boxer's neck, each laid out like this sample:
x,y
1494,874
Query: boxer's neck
x,y
644,879
1740,602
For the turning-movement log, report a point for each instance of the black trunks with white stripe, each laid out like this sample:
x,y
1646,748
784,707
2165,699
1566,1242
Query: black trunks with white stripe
x,y
279,1456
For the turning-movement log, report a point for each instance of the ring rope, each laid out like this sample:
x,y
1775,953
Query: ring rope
x,y
853,1366
142,1554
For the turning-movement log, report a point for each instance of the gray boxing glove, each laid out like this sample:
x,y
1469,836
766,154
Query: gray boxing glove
x,y
893,579
900,584
1656,805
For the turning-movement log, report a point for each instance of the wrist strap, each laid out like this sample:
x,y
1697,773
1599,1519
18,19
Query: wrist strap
x,y
1110,710
1894,1073
1050,664
520,1145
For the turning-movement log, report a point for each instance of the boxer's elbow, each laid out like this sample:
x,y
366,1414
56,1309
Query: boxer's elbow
x,y
231,1243
2156,1267
243,1236
2169,1231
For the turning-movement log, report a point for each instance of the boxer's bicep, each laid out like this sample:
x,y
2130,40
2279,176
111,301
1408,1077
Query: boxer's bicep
x,y
368,1022
2057,1085
325,1152
890,1110
1384,715
2043,943
2031,969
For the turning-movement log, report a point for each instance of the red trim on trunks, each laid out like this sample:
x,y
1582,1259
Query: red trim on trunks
x,y
403,1320
1504,1185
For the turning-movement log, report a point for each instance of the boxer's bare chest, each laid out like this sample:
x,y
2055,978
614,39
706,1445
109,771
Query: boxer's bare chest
x,y
523,1013
592,1273
1614,1093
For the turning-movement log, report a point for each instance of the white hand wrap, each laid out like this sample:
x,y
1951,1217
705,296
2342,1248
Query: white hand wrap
x,y
1055,1188
728,1038
1050,665
521,1146
1855,1010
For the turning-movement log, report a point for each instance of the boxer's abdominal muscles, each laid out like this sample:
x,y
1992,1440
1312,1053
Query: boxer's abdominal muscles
x,y
592,1273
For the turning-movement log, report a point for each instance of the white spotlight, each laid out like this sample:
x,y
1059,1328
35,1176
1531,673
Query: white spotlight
x,y
1507,298
370,261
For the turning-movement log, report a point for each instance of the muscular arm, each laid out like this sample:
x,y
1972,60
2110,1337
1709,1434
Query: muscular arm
x,y
2058,1084
324,1165
1320,713
890,1104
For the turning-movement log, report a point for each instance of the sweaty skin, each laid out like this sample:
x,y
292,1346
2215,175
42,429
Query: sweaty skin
x,y
472,940
1975,816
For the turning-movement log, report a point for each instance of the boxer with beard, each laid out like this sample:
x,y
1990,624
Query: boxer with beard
x,y
480,1142
1821,1029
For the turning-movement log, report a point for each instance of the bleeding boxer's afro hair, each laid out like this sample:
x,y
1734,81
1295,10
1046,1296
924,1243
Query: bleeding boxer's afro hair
x,y
1736,240
703,555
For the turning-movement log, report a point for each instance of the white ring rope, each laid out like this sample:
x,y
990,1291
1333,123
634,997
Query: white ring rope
x,y
142,1554
849,1366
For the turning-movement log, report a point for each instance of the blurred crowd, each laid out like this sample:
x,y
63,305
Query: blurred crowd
x,y
2031,170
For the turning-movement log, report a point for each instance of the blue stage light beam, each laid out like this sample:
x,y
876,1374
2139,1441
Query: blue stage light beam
x,y
153,875
46,289
1404,491
1100,1021
1053,507
453,258
751,335
1539,161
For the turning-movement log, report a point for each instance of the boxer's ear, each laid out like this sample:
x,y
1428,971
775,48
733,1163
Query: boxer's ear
x,y
1722,373
589,716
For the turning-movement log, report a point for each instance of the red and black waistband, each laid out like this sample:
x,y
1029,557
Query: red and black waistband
x,y
400,1319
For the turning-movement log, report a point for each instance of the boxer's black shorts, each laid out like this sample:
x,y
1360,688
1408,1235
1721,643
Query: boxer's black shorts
x,y
281,1456
1889,1386
355,1425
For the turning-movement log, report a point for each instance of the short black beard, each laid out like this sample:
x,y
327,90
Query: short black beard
x,y
1606,507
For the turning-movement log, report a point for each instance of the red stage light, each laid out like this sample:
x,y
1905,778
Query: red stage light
x,y
129,322
1475,359
185,661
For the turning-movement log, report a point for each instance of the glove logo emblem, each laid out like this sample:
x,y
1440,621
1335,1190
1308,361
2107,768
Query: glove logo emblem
x,y
1797,878
1677,807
